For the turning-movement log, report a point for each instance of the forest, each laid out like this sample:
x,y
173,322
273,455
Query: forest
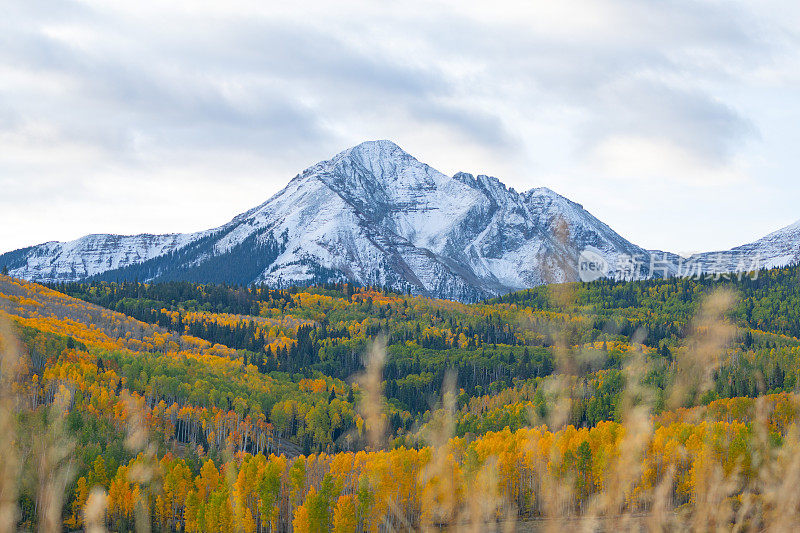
x,y
177,406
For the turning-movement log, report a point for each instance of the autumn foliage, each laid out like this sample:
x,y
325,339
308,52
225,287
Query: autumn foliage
x,y
228,409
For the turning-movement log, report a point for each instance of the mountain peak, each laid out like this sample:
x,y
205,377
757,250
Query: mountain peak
x,y
380,143
373,168
374,150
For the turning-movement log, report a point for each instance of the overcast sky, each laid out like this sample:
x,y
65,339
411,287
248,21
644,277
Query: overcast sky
x,y
675,122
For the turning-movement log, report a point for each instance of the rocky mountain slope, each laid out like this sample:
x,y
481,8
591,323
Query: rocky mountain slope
x,y
779,248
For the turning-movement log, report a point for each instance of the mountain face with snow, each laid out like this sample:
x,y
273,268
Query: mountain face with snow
x,y
373,215
88,256
779,248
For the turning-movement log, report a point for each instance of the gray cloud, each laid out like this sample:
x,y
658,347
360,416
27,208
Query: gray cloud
x,y
171,83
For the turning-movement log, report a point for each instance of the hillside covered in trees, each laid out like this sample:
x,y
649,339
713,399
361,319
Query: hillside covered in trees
x,y
215,407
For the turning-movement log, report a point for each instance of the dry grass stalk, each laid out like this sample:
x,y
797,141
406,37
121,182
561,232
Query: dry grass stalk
x,y
617,505
94,512
661,516
50,459
781,497
637,408
10,466
371,401
55,465
142,471
483,500
440,502
696,362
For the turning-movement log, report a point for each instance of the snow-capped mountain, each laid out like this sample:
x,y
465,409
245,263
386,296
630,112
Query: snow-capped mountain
x,y
374,215
88,256
777,249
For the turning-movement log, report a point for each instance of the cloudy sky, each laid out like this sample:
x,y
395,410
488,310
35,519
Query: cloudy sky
x,y
676,122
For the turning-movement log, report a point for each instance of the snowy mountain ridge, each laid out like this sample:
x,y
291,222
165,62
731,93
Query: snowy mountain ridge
x,y
375,215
